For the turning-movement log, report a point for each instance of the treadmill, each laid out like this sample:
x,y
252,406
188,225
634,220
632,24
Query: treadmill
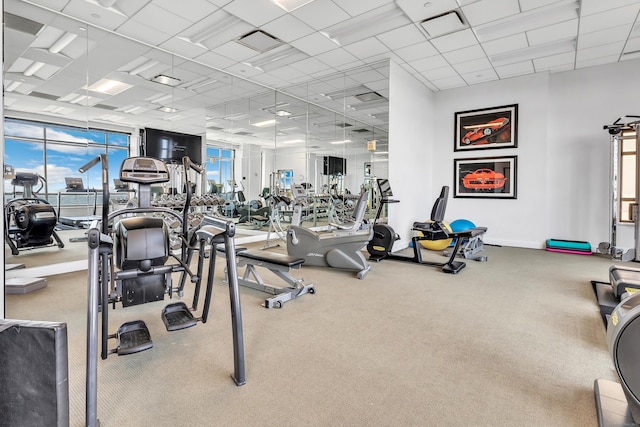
x,y
75,187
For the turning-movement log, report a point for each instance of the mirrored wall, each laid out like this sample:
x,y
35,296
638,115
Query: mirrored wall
x,y
328,135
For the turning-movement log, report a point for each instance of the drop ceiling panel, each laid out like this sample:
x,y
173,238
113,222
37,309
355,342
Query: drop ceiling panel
x,y
416,51
192,10
465,54
401,37
357,7
517,69
471,66
157,17
366,48
287,28
590,7
554,32
440,73
596,61
144,33
527,5
235,51
454,41
255,13
429,63
610,35
506,44
320,14
314,44
421,10
449,82
480,76
608,19
600,51
562,60
485,11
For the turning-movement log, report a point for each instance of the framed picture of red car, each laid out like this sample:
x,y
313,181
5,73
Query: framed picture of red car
x,y
487,177
495,127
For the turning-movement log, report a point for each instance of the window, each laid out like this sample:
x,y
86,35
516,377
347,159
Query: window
x,y
56,152
219,169
627,174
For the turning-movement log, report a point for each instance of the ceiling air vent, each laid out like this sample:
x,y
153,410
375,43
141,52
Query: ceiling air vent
x,y
368,96
19,23
259,41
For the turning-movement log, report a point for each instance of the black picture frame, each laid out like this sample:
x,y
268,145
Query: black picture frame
x,y
486,177
487,128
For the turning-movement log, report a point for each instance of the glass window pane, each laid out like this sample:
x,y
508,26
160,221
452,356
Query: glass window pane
x,y
628,178
23,129
24,157
625,211
227,154
119,139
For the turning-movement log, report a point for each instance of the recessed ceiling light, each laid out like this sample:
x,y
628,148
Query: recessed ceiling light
x,y
266,123
166,80
346,141
62,42
109,87
167,109
282,113
33,68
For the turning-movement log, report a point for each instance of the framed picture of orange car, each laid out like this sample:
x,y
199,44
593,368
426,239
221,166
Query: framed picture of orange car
x,y
487,177
495,127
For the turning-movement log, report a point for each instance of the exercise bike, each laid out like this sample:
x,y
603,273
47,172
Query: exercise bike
x,y
29,220
381,245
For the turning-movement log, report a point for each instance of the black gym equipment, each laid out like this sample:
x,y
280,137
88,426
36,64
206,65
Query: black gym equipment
x,y
30,220
34,372
624,280
384,236
141,274
618,404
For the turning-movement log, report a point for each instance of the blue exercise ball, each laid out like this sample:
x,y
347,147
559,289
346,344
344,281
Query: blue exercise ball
x,y
461,225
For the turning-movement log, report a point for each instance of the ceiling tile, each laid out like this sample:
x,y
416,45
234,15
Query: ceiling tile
x,y
610,35
366,48
419,10
554,61
336,57
94,14
416,51
554,32
235,51
596,61
401,37
313,65
590,7
473,66
455,41
517,69
287,28
600,51
449,82
534,4
506,44
429,63
143,32
439,73
465,54
356,7
481,76
485,11
321,14
192,10
314,44
254,12
608,19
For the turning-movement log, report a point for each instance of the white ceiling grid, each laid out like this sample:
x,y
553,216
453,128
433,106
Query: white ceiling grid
x,y
493,39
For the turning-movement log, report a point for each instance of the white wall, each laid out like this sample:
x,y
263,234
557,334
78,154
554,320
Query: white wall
x,y
563,186
411,159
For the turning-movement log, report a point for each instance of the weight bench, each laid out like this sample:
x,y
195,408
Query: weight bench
x,y
280,265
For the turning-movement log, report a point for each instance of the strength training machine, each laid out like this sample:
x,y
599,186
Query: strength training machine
x,y
340,248
380,246
140,246
29,220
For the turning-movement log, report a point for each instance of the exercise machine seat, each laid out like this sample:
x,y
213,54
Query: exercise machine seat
x,y
357,218
624,279
141,243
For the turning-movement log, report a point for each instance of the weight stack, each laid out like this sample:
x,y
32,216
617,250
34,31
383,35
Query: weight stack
x,y
34,374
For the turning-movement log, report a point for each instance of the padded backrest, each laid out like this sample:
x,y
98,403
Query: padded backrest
x,y
440,205
361,207
140,239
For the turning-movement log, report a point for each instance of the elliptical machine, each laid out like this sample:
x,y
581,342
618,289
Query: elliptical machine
x,y
29,220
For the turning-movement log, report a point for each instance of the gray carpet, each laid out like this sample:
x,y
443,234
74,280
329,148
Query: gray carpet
x,y
516,341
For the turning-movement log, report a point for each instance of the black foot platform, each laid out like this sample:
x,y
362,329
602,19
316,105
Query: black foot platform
x,y
177,316
606,300
133,337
